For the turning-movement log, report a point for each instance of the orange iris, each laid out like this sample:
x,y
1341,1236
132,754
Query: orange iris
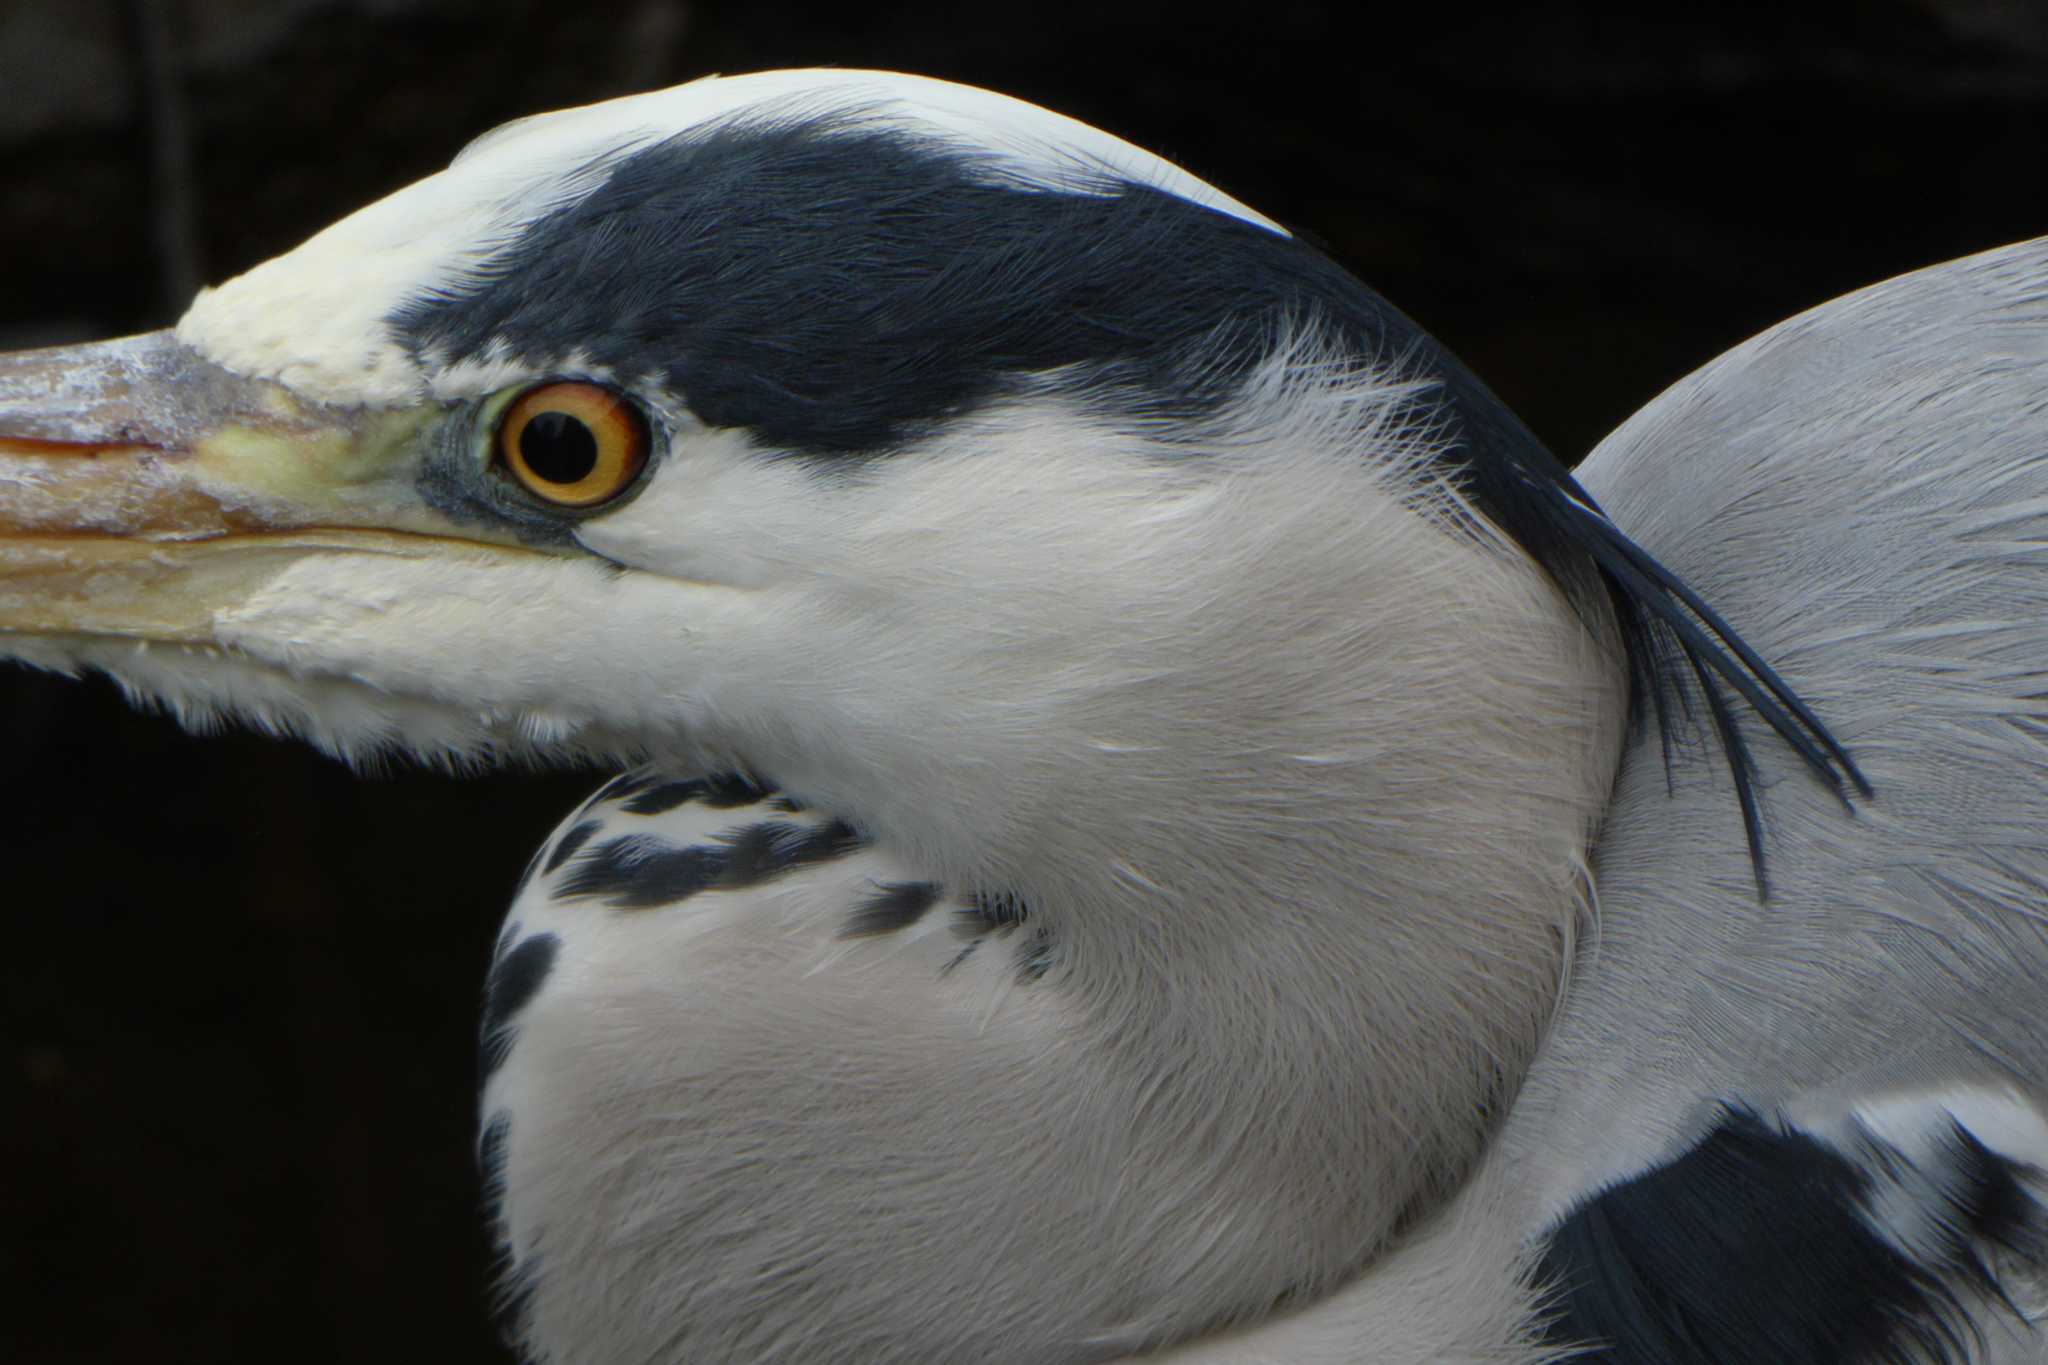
x,y
573,444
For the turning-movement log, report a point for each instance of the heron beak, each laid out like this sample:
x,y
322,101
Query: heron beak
x,y
143,488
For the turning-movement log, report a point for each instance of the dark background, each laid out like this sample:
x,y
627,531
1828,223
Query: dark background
x,y
238,983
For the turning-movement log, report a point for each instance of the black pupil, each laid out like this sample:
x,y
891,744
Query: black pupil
x,y
557,447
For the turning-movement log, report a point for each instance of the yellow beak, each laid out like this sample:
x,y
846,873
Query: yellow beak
x,y
142,488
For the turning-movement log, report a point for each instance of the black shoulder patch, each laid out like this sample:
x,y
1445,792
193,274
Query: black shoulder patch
x,y
512,1287
516,977
894,906
490,1165
1755,1246
724,792
565,848
1002,915
639,871
1985,1201
761,852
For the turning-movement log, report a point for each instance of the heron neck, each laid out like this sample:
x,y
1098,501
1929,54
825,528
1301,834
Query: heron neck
x,y
1303,914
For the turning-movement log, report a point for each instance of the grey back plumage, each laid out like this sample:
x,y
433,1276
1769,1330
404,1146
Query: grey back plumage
x,y
1864,489
1863,492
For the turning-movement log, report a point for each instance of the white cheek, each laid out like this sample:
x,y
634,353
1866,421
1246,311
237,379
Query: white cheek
x,y
526,640
720,510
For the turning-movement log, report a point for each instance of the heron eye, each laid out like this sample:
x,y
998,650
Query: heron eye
x,y
574,445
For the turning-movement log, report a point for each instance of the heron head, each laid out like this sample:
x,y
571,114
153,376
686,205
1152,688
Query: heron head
x,y
855,429
1065,528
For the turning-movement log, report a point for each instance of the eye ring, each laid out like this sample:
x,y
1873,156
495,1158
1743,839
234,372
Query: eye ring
x,y
572,444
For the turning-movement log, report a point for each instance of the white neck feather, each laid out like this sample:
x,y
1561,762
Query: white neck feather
x,y
1296,761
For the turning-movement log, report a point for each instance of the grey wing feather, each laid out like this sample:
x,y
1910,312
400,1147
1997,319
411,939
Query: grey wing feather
x,y
1863,491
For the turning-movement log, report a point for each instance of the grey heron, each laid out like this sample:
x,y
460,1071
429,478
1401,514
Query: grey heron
x,y
1133,836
